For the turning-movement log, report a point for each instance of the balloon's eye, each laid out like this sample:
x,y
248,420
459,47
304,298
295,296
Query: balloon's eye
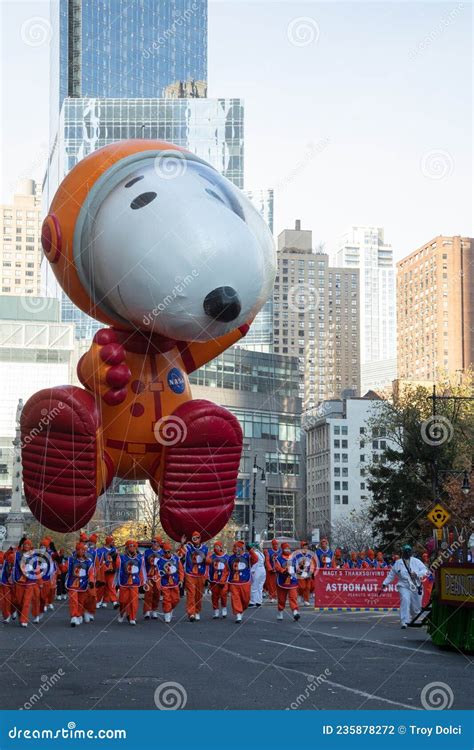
x,y
133,181
142,200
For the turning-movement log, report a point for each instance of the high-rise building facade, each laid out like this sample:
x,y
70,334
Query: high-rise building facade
x,y
341,445
316,317
20,249
364,247
435,309
119,49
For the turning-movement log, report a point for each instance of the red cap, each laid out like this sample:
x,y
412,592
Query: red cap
x,y
157,539
45,541
166,547
27,544
83,537
109,540
285,545
275,543
196,533
80,547
93,538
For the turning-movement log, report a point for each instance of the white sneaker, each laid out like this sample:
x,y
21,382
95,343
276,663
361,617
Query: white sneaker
x,y
88,617
154,614
146,616
307,604
215,616
14,615
97,606
51,606
24,624
296,615
121,618
403,627
133,622
238,618
224,612
280,616
168,616
74,622
197,617
104,605
36,620
45,608
79,620
7,619
273,601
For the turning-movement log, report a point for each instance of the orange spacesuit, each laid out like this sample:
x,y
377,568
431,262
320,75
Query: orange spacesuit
x,y
174,300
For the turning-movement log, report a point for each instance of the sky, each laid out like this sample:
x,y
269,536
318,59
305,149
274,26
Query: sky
x,y
355,113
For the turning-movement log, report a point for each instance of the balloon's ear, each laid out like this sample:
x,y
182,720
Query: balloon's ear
x,y
51,238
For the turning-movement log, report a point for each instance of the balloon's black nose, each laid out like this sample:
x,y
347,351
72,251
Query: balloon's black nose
x,y
222,304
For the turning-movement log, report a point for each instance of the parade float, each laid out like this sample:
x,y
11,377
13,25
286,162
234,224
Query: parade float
x,y
153,242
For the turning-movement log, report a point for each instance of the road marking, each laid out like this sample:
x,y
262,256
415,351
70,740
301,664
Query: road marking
x,y
362,693
419,650
289,645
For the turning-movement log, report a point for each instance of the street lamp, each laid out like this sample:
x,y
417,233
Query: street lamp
x,y
466,487
256,468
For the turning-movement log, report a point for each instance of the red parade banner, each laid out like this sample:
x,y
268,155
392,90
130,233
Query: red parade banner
x,y
336,588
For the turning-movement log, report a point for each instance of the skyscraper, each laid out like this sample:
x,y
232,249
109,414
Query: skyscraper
x,y
365,248
435,308
20,251
124,50
316,317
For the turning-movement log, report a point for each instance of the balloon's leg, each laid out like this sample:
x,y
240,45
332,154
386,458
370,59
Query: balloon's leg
x,y
64,466
198,469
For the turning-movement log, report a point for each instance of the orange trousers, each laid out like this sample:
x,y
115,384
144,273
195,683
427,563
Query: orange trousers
x,y
194,592
110,592
128,599
270,583
7,594
46,594
77,600
52,590
27,597
170,598
304,588
219,593
239,597
292,598
91,601
151,601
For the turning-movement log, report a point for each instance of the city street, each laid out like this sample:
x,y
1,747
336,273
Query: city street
x,y
355,660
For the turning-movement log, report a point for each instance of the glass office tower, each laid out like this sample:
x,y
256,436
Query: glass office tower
x,y
125,50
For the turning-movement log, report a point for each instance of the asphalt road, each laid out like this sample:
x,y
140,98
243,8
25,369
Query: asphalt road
x,y
325,661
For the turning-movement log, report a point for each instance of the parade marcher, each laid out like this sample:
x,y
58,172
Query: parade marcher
x,y
287,582
354,561
257,577
47,582
218,574
240,563
337,560
61,562
27,576
409,571
370,558
151,601
379,561
171,572
131,575
324,553
7,586
91,599
108,557
80,575
270,581
195,555
304,563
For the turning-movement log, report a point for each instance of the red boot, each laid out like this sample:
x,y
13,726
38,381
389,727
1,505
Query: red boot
x,y
59,429
199,475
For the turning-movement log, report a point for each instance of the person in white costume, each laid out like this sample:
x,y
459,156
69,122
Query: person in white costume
x,y
410,571
258,575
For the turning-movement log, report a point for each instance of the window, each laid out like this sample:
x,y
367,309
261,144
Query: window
x,y
362,485
362,430
337,430
337,471
362,458
345,500
344,444
375,444
337,499
344,430
337,443
337,457
337,485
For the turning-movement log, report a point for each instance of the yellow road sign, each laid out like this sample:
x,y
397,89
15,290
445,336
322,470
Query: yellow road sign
x,y
439,516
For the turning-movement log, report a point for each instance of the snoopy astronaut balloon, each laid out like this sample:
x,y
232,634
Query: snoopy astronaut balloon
x,y
153,242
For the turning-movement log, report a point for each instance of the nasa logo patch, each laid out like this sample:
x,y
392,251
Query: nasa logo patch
x,y
176,380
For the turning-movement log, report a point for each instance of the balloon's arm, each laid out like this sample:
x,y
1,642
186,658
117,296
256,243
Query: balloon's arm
x,y
103,369
195,354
